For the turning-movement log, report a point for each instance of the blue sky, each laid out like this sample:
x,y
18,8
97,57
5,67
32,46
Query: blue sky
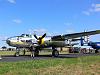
x,y
51,16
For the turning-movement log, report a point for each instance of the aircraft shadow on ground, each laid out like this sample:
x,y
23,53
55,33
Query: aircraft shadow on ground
x,y
50,56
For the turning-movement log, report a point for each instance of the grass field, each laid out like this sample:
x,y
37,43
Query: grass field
x,y
28,53
62,66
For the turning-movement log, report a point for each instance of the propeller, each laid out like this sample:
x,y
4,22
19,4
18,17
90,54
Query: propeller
x,y
40,39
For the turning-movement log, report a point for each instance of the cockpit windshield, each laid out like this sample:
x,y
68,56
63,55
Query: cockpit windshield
x,y
26,35
13,38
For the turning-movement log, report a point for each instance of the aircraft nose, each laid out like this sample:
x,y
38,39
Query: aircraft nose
x,y
8,41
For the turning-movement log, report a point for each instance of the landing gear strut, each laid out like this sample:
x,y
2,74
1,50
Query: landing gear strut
x,y
55,52
17,52
24,52
34,52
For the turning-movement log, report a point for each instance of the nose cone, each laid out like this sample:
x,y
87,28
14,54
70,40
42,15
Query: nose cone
x,y
8,41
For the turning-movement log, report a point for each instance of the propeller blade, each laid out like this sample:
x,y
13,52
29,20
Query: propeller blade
x,y
43,36
35,36
39,40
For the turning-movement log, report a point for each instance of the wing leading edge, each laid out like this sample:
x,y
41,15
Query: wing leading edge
x,y
75,35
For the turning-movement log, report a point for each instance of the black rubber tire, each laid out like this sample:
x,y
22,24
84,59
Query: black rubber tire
x,y
24,52
36,52
16,54
96,51
55,53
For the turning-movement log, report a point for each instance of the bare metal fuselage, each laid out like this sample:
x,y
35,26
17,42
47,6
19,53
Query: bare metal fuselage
x,y
46,44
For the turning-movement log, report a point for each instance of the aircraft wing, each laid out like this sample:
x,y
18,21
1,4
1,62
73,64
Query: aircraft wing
x,y
74,35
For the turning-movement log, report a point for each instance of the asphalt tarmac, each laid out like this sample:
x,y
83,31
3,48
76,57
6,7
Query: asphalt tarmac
x,y
11,58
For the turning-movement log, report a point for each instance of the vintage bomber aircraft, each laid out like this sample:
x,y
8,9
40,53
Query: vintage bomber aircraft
x,y
35,43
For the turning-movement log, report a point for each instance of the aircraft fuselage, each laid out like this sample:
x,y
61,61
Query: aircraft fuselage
x,y
22,41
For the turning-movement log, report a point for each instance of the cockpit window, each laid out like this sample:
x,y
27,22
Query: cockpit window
x,y
26,35
13,38
23,35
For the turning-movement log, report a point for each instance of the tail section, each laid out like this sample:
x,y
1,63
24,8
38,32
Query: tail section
x,y
82,41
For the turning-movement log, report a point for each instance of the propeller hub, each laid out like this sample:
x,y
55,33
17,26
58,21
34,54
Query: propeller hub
x,y
40,40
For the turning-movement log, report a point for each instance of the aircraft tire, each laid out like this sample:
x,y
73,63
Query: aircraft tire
x,y
36,52
55,53
24,52
16,54
96,51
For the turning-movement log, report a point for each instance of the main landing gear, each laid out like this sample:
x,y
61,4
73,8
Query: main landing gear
x,y
97,51
17,52
35,52
55,52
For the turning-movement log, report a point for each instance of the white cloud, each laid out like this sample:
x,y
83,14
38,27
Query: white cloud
x,y
93,9
92,5
39,31
12,1
0,38
86,13
97,5
68,24
18,21
3,37
97,10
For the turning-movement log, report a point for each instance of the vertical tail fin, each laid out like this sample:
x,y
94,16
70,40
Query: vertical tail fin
x,y
82,41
